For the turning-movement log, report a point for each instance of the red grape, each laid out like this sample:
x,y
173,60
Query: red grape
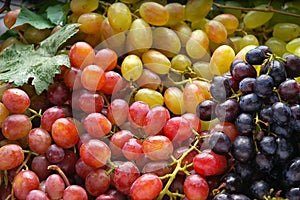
x,y
39,140
75,192
117,111
178,129
37,195
82,169
72,78
138,112
90,102
113,82
97,125
81,54
50,115
11,156
24,182
118,140
97,182
16,100
132,149
39,165
16,126
106,59
54,186
196,187
92,77
58,93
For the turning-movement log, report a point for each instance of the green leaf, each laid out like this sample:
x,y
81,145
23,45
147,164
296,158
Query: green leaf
x,y
28,17
57,14
19,63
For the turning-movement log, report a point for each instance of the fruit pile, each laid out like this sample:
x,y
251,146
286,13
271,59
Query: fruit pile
x,y
142,100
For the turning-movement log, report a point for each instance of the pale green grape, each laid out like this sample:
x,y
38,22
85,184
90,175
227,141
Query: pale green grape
x,y
156,62
297,51
286,31
83,6
173,98
202,70
248,40
90,23
183,31
221,59
140,35
215,31
254,19
195,9
180,62
199,24
230,22
119,16
276,45
292,45
197,45
176,13
131,68
166,41
149,96
154,13
236,43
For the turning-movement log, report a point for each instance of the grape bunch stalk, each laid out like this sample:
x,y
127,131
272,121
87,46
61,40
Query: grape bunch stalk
x,y
150,100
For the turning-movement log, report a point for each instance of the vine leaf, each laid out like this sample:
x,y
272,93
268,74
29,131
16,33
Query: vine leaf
x,y
21,63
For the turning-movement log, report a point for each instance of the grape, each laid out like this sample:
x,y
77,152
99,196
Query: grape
x,y
119,16
291,65
250,103
36,194
289,89
259,189
276,70
64,133
246,85
146,187
149,79
281,113
173,98
197,44
149,96
239,197
85,6
39,165
16,126
219,142
222,196
11,156
124,176
94,153
263,163
39,140
72,78
97,125
233,183
138,112
195,9
34,35
50,116
97,182
208,163
81,54
106,59
118,140
195,187
177,129
183,32
243,148
132,149
230,22
131,68
154,13
55,153
156,62
286,31
24,182
220,88
157,147
58,93
243,70
176,13
16,100
67,165
117,111
254,19
205,110
90,22
75,192
277,46
255,56
82,169
293,193
215,31
54,186
93,77
4,112
263,85
227,110
268,145
181,62
91,102
228,128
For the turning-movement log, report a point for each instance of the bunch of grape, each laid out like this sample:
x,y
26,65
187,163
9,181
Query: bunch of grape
x,y
161,102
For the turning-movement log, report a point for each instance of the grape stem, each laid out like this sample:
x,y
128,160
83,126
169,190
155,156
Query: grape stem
x,y
267,9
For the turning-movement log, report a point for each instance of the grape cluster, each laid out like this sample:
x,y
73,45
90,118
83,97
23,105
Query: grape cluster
x,y
262,99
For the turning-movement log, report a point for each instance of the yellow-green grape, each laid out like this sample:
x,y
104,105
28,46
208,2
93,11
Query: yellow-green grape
x,y
248,40
149,96
197,45
90,23
183,31
215,31
119,16
235,12
292,45
236,43
173,98
221,60
277,46
254,19
140,35
154,13
207,125
83,6
130,1
156,62
166,41
192,96
149,79
202,69
297,51
199,24
230,22
180,62
176,13
131,68
195,9
286,31
242,53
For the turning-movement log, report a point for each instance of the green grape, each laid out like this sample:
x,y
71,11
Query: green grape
x,y
195,9
202,70
199,24
131,67
254,19
180,62
119,16
166,41
154,13
221,60
156,62
236,43
286,31
183,31
248,40
90,23
173,98
276,45
295,4
197,45
292,45
236,12
297,51
230,22
140,35
215,31
281,18
83,6
149,96
176,13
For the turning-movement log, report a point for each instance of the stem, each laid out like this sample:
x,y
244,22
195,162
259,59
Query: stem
x,y
60,172
267,9
6,6
24,163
